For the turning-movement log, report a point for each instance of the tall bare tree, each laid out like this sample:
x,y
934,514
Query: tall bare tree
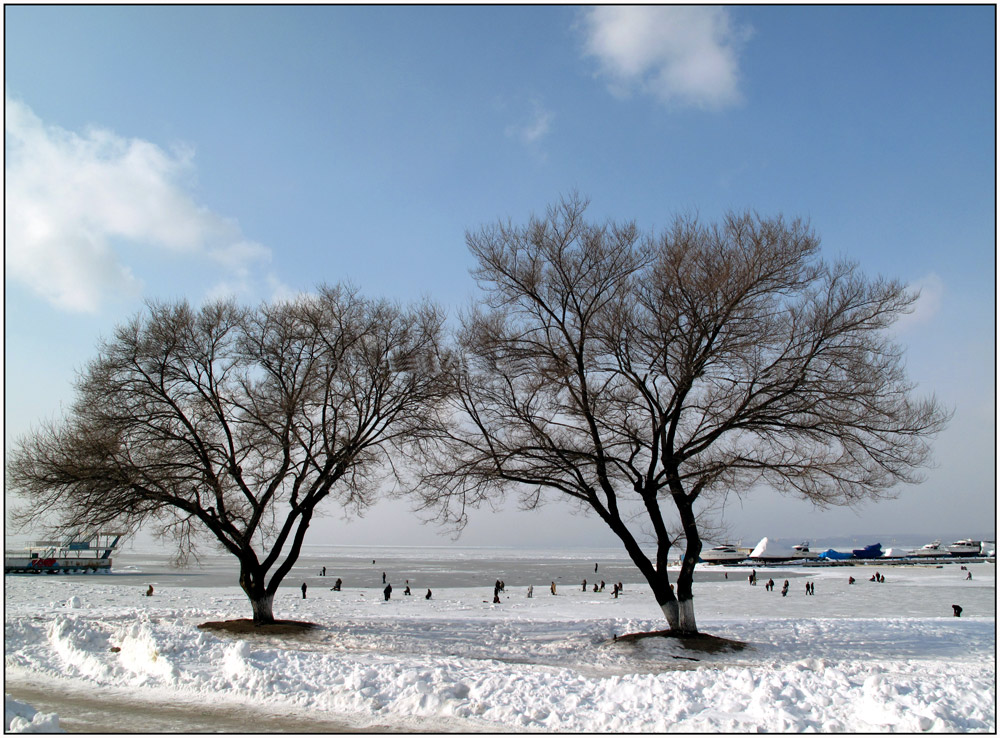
x,y
642,375
239,423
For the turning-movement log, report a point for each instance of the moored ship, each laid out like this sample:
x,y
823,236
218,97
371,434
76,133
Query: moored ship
x,y
722,554
929,549
965,547
76,554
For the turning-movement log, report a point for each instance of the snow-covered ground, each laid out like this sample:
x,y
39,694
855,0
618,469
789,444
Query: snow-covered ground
x,y
852,658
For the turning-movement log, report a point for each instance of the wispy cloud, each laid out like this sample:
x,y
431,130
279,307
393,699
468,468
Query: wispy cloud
x,y
78,206
533,127
931,297
682,55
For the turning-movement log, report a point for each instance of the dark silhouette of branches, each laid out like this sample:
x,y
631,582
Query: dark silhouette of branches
x,y
238,422
650,373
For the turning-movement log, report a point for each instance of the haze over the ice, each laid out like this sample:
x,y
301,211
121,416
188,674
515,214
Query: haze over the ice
x,y
194,152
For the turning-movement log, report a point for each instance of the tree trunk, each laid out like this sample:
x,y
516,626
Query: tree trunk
x,y
263,612
261,600
685,577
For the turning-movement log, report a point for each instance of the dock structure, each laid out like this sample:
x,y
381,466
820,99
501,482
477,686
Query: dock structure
x,y
78,554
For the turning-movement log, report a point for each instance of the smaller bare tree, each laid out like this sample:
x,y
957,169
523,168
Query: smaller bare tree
x,y
238,423
646,374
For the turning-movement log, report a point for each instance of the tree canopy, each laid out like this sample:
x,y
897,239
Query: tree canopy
x,y
646,374
238,422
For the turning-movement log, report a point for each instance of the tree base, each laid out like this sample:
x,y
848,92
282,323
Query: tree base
x,y
702,642
244,626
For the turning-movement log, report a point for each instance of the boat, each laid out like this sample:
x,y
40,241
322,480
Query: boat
x,y
929,549
801,551
965,547
834,555
78,553
724,553
768,550
874,551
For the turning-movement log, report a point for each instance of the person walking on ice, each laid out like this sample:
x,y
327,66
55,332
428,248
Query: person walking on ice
x,y
552,587
303,590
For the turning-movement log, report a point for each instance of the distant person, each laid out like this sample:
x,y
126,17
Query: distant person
x,y
621,588
957,610
407,590
387,591
502,585
383,577
531,591
552,587
496,586
602,585
584,585
595,586
616,592
336,585
303,590
149,592
784,589
428,595
595,568
850,580
324,572
373,561
725,574
968,576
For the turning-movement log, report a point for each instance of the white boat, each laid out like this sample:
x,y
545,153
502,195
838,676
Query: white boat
x,y
929,549
768,550
801,551
76,554
965,547
719,554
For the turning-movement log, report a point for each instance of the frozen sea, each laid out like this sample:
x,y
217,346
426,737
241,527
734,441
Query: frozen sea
x,y
867,657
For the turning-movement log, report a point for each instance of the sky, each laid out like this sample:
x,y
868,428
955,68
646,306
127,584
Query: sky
x,y
188,152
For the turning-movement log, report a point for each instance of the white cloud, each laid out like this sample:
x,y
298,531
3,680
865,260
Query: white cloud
x,y
928,304
682,55
76,204
532,126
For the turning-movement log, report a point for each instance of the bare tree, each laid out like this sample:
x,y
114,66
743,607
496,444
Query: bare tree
x,y
237,422
644,376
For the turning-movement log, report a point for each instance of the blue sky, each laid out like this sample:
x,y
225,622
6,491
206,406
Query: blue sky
x,y
190,152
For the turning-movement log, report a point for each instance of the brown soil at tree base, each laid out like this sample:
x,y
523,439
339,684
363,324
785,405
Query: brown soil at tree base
x,y
701,642
245,626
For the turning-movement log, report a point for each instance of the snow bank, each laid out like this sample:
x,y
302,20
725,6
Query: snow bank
x,y
20,717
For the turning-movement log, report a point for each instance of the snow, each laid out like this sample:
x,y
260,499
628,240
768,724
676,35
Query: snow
x,y
867,657
19,717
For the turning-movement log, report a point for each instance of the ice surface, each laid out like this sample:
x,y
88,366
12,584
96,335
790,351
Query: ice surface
x,y
853,658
